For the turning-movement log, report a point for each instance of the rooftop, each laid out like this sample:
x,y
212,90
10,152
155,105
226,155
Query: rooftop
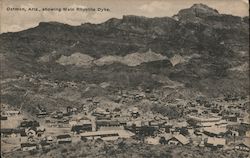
x,y
181,139
215,130
216,141
121,133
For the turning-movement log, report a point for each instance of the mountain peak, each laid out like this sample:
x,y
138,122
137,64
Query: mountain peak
x,y
202,7
195,12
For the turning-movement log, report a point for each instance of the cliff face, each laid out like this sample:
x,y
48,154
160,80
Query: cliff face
x,y
209,46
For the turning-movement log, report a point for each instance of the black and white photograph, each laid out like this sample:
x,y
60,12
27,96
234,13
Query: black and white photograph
x,y
124,79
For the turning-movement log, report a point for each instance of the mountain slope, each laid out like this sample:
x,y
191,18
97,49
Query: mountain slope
x,y
209,45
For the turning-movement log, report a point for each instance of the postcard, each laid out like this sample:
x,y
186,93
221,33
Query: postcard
x,y
124,79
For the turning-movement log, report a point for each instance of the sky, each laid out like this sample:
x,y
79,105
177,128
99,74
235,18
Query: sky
x,y
13,21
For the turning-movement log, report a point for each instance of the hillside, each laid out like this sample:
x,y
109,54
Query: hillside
x,y
198,48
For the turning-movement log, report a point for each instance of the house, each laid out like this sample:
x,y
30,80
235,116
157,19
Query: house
x,y
197,132
11,132
137,123
95,102
152,140
139,96
244,146
39,133
215,142
202,143
101,114
73,122
63,139
23,133
27,124
28,146
164,137
107,123
6,132
80,121
135,112
45,145
63,121
69,109
168,127
248,134
178,139
31,131
221,123
231,118
49,139
102,111
245,123
81,128
141,128
12,113
3,118
204,119
156,124
215,131
42,114
123,120
234,133
57,115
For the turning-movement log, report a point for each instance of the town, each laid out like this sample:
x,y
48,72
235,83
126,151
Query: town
x,y
220,124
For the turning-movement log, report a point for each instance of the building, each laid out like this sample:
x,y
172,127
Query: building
x,y
63,139
156,124
81,124
178,139
107,123
6,132
168,127
135,112
245,146
28,146
31,132
215,131
215,142
45,145
152,141
248,134
27,124
57,115
205,119
42,114
234,133
107,135
101,114
49,139
123,120
11,132
3,118
81,128
231,118
12,113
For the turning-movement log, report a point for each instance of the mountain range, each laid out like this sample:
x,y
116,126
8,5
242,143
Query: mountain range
x,y
198,51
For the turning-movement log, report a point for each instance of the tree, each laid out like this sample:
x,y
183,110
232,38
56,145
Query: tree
x,y
184,131
162,140
192,122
